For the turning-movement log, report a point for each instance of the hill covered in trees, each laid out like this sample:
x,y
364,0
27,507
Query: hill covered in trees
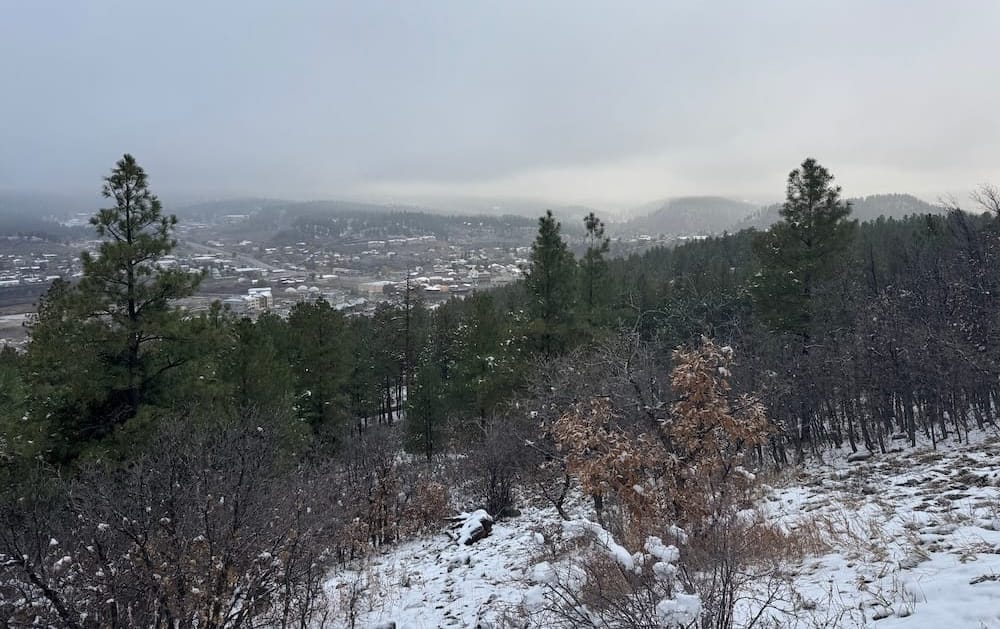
x,y
868,208
688,216
715,215
287,222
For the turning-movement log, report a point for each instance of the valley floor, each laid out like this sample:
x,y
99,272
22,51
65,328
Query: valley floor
x,y
912,540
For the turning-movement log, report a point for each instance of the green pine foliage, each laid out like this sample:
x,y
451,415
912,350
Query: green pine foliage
x,y
803,251
20,438
321,365
255,375
101,348
550,283
593,269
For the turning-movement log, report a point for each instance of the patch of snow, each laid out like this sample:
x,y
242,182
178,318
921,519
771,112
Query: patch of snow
x,y
681,610
578,528
543,573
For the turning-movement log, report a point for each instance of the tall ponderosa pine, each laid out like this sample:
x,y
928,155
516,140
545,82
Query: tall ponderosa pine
x,y
120,311
593,266
125,282
803,251
550,283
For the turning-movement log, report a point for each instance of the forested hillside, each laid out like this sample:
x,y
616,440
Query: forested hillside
x,y
868,208
325,221
162,469
689,215
287,222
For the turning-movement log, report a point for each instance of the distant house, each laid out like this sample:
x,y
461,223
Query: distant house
x,y
259,300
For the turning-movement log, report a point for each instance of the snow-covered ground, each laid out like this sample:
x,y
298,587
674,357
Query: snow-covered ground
x,y
913,541
435,582
915,537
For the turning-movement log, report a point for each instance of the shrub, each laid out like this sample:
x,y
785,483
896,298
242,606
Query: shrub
x,y
207,529
692,473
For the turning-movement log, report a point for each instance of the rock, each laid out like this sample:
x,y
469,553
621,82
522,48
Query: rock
x,y
858,456
472,527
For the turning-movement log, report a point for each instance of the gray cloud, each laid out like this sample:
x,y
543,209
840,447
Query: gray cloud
x,y
603,102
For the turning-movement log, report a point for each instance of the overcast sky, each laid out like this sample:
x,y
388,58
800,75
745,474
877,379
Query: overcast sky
x,y
602,103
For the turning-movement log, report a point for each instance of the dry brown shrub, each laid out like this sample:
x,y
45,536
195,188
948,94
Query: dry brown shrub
x,y
710,436
612,464
428,506
690,474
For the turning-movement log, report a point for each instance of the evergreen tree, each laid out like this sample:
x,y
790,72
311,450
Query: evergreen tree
x,y
550,283
125,282
20,440
802,251
365,382
432,397
321,351
593,266
256,376
388,352
106,337
426,407
483,373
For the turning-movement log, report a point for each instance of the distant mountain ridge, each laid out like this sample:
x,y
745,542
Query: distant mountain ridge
x,y
689,215
36,214
867,208
361,221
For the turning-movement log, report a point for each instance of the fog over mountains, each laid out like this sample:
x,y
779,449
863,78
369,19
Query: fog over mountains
x,y
26,212
690,215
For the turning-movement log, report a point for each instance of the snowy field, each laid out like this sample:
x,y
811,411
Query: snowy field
x,y
913,541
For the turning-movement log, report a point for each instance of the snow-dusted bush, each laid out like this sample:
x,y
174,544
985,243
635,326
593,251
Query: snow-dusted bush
x,y
210,528
603,584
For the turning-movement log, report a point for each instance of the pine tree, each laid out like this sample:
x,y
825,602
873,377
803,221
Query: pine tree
x,y
593,266
483,371
432,398
803,251
117,321
255,374
549,280
125,282
426,408
321,351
